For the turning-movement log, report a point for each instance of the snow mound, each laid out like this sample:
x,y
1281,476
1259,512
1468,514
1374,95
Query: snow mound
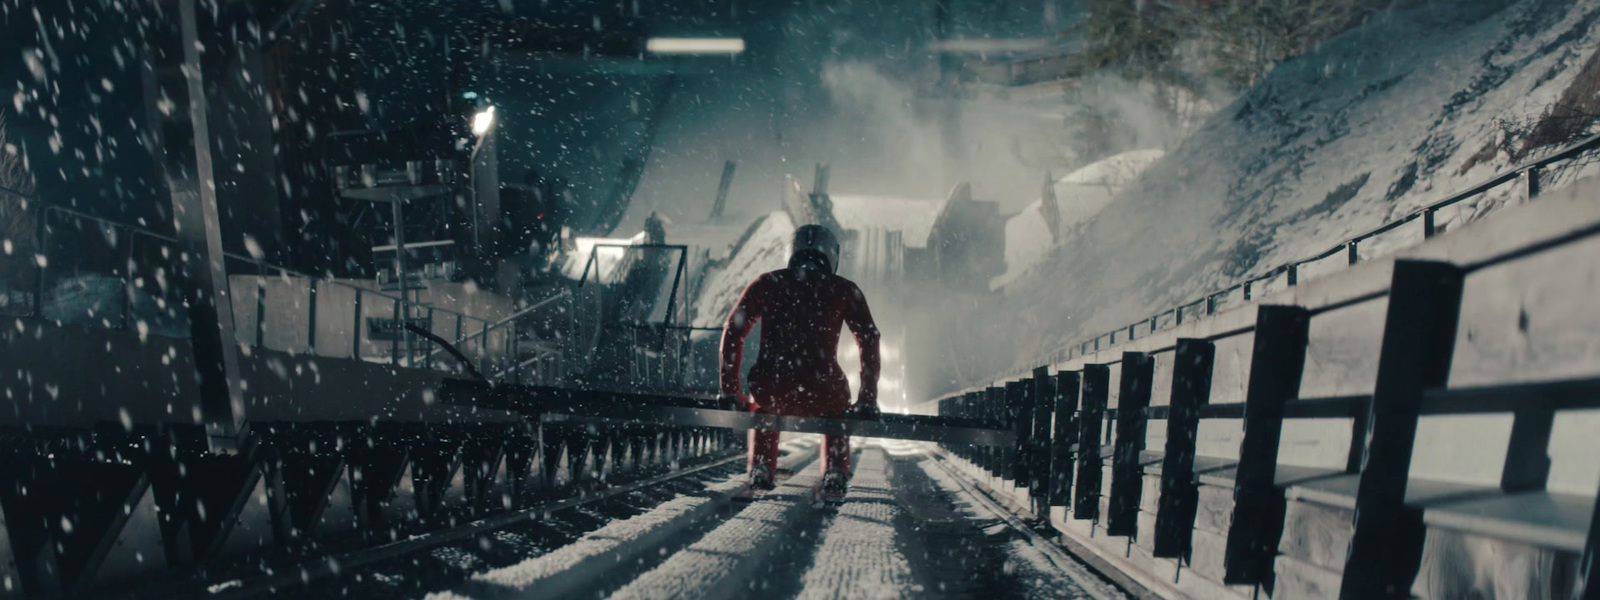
x,y
765,249
859,557
1395,114
1080,196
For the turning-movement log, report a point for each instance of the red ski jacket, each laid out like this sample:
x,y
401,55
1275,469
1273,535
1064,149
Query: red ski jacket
x,y
798,368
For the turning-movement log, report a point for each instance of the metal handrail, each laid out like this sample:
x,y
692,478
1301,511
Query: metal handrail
x,y
493,325
134,230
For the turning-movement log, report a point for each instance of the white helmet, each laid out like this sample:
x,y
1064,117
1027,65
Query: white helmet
x,y
813,243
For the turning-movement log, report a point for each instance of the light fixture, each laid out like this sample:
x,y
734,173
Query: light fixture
x,y
482,121
667,45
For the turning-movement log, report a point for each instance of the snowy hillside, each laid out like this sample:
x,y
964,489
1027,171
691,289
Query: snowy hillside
x,y
1392,115
765,249
1079,196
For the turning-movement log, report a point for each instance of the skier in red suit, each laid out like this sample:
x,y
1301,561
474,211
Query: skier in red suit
x,y
802,309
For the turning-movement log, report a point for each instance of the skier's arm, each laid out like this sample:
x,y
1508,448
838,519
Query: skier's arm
x,y
859,319
740,322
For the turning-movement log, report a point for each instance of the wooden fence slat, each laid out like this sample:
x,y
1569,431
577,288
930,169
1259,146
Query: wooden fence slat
x,y
994,407
1191,389
1127,477
1527,466
1019,415
1418,339
1096,390
1277,363
1044,392
1066,434
1588,585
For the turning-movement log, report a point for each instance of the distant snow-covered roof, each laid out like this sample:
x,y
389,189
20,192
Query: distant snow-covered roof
x,y
912,217
607,257
1080,195
767,249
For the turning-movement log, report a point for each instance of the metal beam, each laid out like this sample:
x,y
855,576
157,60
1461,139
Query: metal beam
x,y
199,231
554,405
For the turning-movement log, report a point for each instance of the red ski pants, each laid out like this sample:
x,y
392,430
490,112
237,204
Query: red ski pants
x,y
764,444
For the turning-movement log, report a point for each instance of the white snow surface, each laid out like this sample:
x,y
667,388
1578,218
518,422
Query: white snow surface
x,y
858,557
1395,114
605,259
1080,195
1035,571
766,249
718,564
582,562
598,546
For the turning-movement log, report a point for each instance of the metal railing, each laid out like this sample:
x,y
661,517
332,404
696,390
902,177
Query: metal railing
x,y
1531,173
74,268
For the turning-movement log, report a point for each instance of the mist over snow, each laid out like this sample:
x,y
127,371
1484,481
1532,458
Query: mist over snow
x,y
1397,113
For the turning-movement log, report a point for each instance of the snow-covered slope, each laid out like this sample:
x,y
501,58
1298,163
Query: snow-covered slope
x,y
1080,195
1392,115
766,249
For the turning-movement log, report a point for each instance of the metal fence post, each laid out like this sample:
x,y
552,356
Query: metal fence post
x,y
1418,340
311,316
427,354
41,261
394,343
261,312
1127,478
1277,363
355,329
1191,390
128,296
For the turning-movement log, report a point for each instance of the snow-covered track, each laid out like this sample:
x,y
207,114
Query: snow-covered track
x,y
314,571
859,557
580,568
722,564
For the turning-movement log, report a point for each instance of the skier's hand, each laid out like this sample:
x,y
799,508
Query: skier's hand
x,y
864,410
